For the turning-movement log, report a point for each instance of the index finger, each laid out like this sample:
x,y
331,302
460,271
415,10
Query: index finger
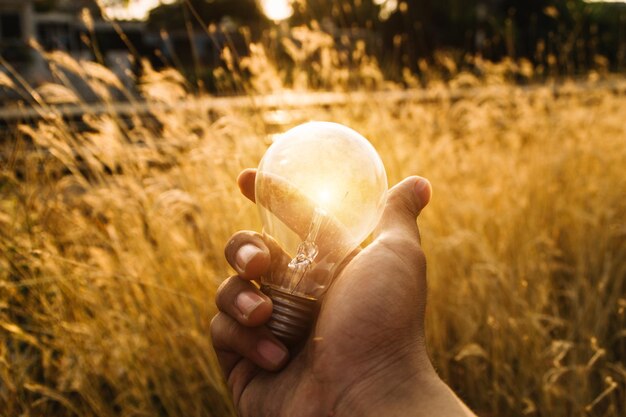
x,y
246,183
294,209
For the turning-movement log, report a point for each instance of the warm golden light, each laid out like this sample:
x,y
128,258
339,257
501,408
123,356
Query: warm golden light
x,y
277,10
324,198
131,10
320,188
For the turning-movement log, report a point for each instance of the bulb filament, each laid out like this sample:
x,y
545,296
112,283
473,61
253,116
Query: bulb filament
x,y
307,250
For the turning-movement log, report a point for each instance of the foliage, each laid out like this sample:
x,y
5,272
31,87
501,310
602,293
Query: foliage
x,y
112,233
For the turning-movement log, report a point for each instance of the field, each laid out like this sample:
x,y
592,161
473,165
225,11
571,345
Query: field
x,y
112,235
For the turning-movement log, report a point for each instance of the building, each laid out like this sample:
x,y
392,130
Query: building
x,y
16,28
61,25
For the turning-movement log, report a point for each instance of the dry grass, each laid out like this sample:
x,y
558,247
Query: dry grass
x,y
111,242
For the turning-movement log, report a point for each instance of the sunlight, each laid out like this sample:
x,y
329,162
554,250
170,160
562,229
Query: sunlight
x,y
134,10
277,10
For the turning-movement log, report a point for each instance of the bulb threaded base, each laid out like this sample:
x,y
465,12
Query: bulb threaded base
x,y
292,316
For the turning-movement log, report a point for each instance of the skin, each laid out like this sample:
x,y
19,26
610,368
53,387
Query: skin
x,y
366,354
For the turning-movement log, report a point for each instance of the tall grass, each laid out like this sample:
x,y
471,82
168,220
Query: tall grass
x,y
112,234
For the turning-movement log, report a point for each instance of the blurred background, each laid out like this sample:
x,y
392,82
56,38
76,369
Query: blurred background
x,y
564,38
124,124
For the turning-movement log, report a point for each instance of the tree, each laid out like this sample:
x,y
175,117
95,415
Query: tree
x,y
344,14
177,15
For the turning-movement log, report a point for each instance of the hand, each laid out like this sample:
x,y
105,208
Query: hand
x,y
366,355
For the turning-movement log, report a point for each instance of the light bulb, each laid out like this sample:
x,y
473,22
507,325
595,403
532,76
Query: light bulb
x,y
320,189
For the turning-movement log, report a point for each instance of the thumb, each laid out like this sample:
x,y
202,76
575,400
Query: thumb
x,y
405,201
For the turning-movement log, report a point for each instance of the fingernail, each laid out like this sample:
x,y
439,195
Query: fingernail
x,y
247,302
245,254
271,352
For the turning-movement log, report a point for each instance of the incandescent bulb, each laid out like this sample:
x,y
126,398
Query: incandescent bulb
x,y
320,189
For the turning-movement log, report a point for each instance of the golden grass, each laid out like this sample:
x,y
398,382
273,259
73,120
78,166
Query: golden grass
x,y
111,245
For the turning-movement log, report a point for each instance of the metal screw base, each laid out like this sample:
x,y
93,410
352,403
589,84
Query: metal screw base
x,y
292,316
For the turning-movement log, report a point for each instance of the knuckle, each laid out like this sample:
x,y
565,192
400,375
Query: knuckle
x,y
214,327
223,285
222,329
223,292
404,201
237,239
403,197
228,248
405,247
228,291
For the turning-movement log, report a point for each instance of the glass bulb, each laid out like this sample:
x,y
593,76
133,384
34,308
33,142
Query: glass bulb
x,y
320,189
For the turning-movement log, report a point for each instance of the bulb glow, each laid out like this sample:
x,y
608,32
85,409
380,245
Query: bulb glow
x,y
324,198
320,189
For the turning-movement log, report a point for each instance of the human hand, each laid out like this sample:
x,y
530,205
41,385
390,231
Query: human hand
x,y
366,354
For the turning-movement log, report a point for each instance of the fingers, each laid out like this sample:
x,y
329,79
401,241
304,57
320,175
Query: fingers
x,y
246,183
237,330
231,341
412,194
253,255
404,203
294,209
286,202
242,301
248,254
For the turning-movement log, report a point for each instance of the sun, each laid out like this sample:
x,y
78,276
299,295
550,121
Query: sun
x,y
276,10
